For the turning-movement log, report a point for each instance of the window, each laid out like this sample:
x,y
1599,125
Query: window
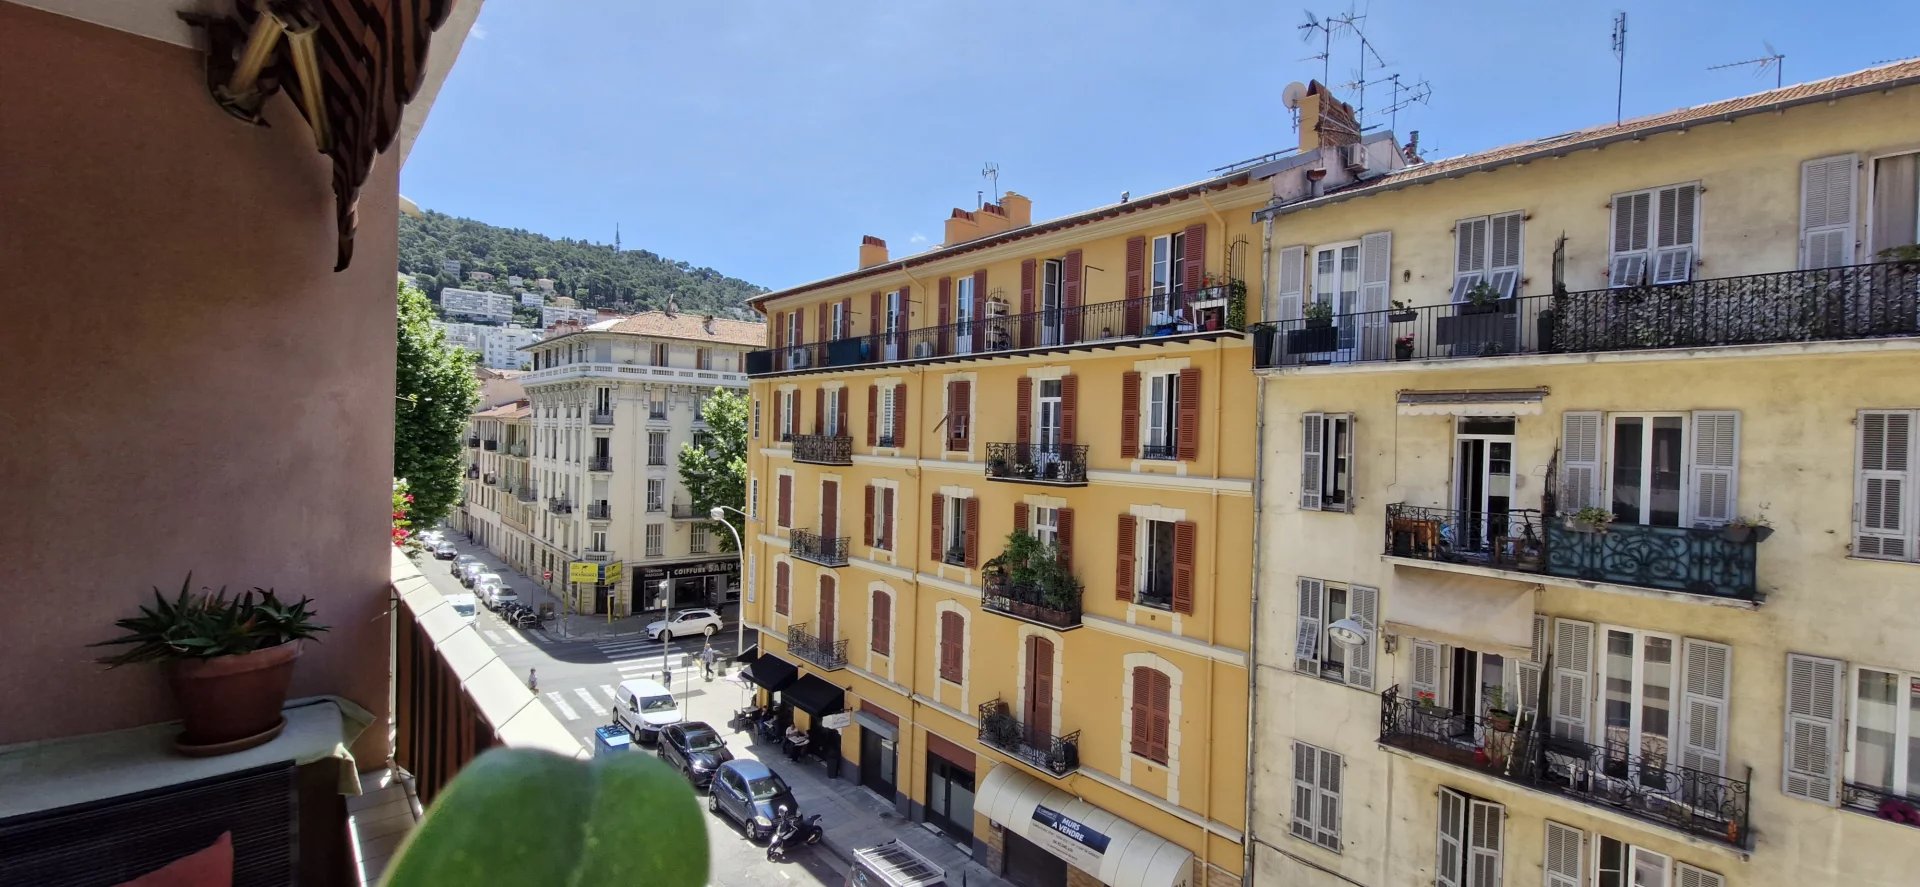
x,y
599,542
1472,683
1884,522
1167,270
603,401
1886,735
953,641
656,494
656,540
880,629
1316,795
1654,233
1052,302
656,448
1322,604
703,358
660,354
963,315
1152,714
1046,416
955,548
1326,462
756,418
1162,430
1663,705
1487,250
1155,582
880,517
783,504
657,408
959,415
1044,525
789,415
884,421
753,499
1653,469
1469,846
1895,203
837,326
697,540
1826,211
831,414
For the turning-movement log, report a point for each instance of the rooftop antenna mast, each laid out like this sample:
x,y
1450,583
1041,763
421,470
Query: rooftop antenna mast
x,y
991,172
1620,55
1774,59
1353,22
1307,30
1405,96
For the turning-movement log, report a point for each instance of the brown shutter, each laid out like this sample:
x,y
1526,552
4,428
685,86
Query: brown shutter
x,y
979,310
1039,708
828,631
906,314
886,518
960,415
1136,285
880,618
876,312
1130,415
1020,517
1194,249
786,500
781,578
943,344
779,407
951,628
973,532
1063,520
873,415
829,511
1029,274
1161,714
1142,739
868,538
1183,567
1069,410
846,314
900,415
1189,415
841,406
819,411
820,321
1123,562
1070,298
1022,416
779,319
939,526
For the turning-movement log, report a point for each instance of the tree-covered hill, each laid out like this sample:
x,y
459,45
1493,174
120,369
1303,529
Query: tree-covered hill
x,y
593,273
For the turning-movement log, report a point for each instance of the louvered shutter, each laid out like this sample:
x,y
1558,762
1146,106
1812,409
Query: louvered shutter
x,y
1703,713
881,607
1023,416
973,532
1123,560
1162,716
1306,647
782,588
886,519
1327,817
1070,296
1183,554
1188,446
1343,423
1815,691
1716,467
829,610
1020,517
1673,257
1141,740
1579,460
875,312
1561,862
1469,256
820,316
1306,760
944,343
1364,602
1063,532
1632,224
979,310
1029,279
1572,675
819,411
1425,680
1826,211
1452,840
867,537
1069,410
1313,427
1194,244
1376,273
779,415
1883,523
786,500
1530,672
846,318
1486,824
1289,285
962,423
841,428
1136,284
1691,876
938,524
1130,415
873,415
900,415
951,628
1503,253
829,511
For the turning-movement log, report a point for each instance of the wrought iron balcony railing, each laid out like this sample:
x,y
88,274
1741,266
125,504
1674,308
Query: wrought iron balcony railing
x,y
528,492
823,449
490,445
599,463
827,551
1880,802
473,443
560,506
1167,451
826,653
601,418
1643,783
1059,609
1055,756
1209,310
599,511
1057,464
1705,561
1829,304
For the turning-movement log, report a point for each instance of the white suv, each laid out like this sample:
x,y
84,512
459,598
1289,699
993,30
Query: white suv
x,y
686,622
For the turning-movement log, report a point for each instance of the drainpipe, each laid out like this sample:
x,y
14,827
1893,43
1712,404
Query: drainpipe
x,y
1253,597
1227,245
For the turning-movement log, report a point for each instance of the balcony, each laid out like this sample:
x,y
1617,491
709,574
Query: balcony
x,y
1645,786
560,506
517,449
1030,602
827,654
1203,313
1703,561
473,472
1828,305
599,463
823,449
1059,465
822,550
597,555
1879,802
683,511
490,445
599,511
601,419
528,492
490,479
1056,756
473,443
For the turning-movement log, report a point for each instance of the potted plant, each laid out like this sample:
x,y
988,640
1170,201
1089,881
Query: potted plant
x,y
228,661
1402,312
1590,519
1403,347
1498,716
1319,315
1742,528
1481,299
997,466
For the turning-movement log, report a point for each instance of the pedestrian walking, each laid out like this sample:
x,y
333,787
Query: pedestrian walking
x,y
707,658
533,679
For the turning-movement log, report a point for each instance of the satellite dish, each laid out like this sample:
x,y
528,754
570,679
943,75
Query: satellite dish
x,y
1291,96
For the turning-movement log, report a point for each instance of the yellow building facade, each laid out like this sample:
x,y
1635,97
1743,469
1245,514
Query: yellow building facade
x,y
1516,622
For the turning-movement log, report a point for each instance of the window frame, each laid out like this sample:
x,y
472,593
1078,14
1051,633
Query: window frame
x,y
1144,561
656,494
1168,421
1905,725
883,433
697,539
1908,535
1327,453
1650,254
789,405
1505,278
831,421
955,529
656,448
1322,803
656,540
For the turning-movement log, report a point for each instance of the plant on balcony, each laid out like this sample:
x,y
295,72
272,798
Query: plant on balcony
x,y
1903,254
1029,563
228,661
1001,729
1499,717
1742,528
1403,312
1481,299
1318,314
1403,347
1590,519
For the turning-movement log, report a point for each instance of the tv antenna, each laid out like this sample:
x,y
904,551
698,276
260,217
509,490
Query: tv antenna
x,y
1358,85
1405,96
1307,29
991,172
1620,56
1774,59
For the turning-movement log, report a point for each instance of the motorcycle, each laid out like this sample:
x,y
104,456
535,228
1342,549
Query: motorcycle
x,y
790,831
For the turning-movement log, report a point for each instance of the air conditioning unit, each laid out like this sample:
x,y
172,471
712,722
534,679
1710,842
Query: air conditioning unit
x,y
1354,158
922,349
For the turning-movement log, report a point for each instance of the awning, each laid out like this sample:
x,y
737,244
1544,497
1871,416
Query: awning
x,y
1088,838
872,722
815,696
1480,402
751,653
1478,612
772,672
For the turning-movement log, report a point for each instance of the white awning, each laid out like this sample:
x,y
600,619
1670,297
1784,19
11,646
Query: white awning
x,y
1093,840
1478,612
1472,402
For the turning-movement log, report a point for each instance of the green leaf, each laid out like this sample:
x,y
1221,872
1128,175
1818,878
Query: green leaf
x,y
517,816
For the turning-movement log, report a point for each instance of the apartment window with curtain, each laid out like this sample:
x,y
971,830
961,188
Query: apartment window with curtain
x,y
1679,469
1167,270
1155,578
1162,425
1896,203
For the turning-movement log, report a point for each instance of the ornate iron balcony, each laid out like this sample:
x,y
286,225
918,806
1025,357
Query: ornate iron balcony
x,y
1511,539
1880,802
1063,465
823,550
528,492
1168,452
683,511
1056,756
601,418
1644,783
473,443
599,463
1031,603
599,511
826,653
823,449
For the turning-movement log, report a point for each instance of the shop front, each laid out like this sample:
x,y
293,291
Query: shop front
x,y
950,787
1046,830
879,749
703,583
820,699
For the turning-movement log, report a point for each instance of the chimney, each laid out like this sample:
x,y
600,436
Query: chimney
x,y
961,227
993,219
873,251
1325,122
1412,151
1019,209
707,324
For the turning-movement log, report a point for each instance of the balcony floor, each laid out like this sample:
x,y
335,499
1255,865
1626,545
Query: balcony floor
x,y
1527,576
1035,351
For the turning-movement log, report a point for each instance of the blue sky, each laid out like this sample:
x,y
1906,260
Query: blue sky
x,y
764,138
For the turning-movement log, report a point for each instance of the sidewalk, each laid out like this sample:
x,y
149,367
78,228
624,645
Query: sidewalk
x,y
570,626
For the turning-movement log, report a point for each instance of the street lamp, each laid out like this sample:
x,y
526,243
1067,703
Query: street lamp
x,y
718,514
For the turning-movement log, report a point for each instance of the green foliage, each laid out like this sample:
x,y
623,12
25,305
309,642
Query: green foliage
x,y
1483,294
518,816
714,468
1318,311
1028,562
209,624
1908,253
435,391
592,273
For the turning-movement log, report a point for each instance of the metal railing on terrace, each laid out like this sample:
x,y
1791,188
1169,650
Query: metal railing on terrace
x,y
528,492
601,419
599,510
599,463
1060,609
1056,756
823,449
684,511
1056,464
827,551
826,653
560,506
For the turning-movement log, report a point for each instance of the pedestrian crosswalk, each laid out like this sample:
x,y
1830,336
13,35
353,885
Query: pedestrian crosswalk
x,y
591,703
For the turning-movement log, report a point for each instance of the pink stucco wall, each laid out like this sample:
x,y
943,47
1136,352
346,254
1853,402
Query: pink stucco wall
x,y
188,384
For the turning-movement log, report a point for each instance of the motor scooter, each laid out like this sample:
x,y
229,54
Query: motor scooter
x,y
790,831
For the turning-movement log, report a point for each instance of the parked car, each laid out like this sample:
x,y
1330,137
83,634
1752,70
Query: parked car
x,y
643,707
695,748
747,792
460,563
444,550
499,596
471,573
686,622
430,538
462,604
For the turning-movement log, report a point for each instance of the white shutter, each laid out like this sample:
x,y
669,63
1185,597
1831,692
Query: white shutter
x,y
1453,834
1632,222
1485,824
1707,685
1306,650
1883,524
1689,876
1561,863
1673,256
1304,782
1364,601
1826,211
1328,814
1572,675
1716,467
1530,672
1812,758
1469,255
1376,272
1290,283
1344,423
1426,671
1503,242
1579,460
1312,451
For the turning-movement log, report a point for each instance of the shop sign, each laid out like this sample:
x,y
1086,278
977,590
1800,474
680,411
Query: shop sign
x,y
689,571
583,572
839,720
1069,839
610,573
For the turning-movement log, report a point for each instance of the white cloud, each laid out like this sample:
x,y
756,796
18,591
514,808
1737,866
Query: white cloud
x,y
477,32
917,239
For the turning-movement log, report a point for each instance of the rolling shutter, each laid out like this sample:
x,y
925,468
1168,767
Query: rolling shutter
x,y
882,628
1579,460
1826,211
1136,280
782,588
1029,277
1703,712
1023,416
944,344
1289,285
1130,415
1313,428
1425,679
1572,676
1063,533
1194,246
1812,759
973,532
1674,252
1070,296
1452,839
1306,648
868,537
1632,227
873,415
1365,604
1069,410
1376,274
1183,545
1716,467
1561,863
1883,524
939,527
1188,446
1123,560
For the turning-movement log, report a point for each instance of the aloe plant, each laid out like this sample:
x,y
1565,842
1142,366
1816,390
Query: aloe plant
x,y
209,624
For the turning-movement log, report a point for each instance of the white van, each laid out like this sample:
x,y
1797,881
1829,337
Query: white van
x,y
643,707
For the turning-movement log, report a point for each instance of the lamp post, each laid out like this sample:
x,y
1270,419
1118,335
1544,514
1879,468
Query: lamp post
x,y
718,514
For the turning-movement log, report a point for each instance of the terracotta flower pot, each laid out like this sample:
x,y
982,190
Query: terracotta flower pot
x,y
232,703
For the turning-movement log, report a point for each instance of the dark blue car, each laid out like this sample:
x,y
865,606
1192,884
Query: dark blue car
x,y
748,793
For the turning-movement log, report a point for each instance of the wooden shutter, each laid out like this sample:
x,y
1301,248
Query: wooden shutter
x,y
1572,676
1716,467
1063,532
1826,211
900,415
1141,741
1527,682
1364,602
1313,444
952,628
944,344
979,310
829,609
1486,823
1039,708
939,526
782,588
1691,876
1029,278
1136,279
1189,415
1195,248
1183,556
1561,862
886,518
1883,524
1342,423
821,311
1160,714
868,537
1130,415
779,416
846,318
876,312
829,511
1123,560
1376,273
1503,253
1289,285
973,532
1674,252
873,415
959,415
1328,817
1020,516
1069,410
1070,297
1632,225
1579,460
779,319
881,608
1469,256
819,411
1707,690
841,427
1811,764
786,500
1023,416
1425,675
1452,841
1306,781
1306,647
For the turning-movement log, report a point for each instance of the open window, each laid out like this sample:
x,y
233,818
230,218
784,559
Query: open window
x,y
1654,236
1326,462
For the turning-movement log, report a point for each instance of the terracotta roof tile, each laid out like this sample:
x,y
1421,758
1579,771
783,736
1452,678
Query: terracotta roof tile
x,y
681,325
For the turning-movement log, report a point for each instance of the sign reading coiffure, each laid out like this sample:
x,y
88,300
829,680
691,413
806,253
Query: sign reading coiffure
x,y
1069,839
692,570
